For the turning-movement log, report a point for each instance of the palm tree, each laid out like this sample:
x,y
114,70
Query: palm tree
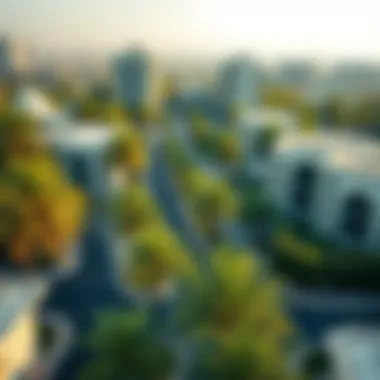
x,y
126,346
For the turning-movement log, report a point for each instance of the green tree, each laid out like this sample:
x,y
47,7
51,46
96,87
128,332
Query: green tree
x,y
18,136
228,147
41,213
133,208
156,259
236,309
128,152
203,135
125,345
213,205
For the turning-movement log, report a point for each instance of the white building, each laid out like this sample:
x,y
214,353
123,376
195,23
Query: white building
x,y
136,81
330,180
355,352
19,301
80,146
239,82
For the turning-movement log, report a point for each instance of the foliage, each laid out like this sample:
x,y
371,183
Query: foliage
x,y
18,136
213,203
41,213
127,151
230,296
178,159
312,261
308,117
239,357
239,311
204,136
156,258
133,208
228,147
281,97
126,346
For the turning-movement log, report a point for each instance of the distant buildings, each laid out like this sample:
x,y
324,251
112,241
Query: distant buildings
x,y
347,81
14,60
136,81
295,74
239,83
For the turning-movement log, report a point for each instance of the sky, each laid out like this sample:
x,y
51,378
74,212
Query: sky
x,y
323,29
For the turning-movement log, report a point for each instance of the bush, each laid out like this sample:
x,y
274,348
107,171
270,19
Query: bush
x,y
312,262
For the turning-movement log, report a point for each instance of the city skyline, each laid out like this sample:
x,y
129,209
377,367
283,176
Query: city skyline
x,y
273,30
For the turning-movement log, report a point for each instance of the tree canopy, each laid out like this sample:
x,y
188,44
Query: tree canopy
x,y
126,345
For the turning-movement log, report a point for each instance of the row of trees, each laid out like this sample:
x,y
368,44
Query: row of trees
x,y
41,212
226,321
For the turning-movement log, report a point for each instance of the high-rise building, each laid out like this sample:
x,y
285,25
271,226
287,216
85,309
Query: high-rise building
x,y
136,81
240,82
14,59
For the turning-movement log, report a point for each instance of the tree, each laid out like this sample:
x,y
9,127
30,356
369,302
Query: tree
x,y
42,213
127,152
18,136
308,117
203,135
178,159
125,345
133,208
228,147
156,259
238,313
213,205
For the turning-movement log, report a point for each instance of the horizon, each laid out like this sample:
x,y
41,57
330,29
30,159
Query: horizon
x,y
205,29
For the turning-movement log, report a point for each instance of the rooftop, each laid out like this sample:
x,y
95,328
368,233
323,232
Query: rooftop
x,y
345,151
71,134
16,295
356,352
34,102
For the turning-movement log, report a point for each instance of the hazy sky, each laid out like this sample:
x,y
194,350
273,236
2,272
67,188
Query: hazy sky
x,y
271,28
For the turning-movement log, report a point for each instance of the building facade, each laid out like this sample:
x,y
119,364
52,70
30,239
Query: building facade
x,y
239,83
136,81
332,182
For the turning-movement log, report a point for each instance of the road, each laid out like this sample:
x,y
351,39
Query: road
x,y
84,294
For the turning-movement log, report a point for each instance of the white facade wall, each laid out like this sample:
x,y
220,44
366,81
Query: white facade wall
x,y
334,187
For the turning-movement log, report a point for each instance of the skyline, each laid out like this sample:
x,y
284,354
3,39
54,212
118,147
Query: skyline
x,y
272,30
